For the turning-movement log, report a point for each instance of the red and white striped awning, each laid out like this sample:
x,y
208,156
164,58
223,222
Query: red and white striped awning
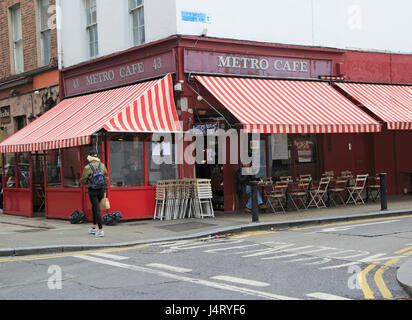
x,y
391,103
286,106
143,107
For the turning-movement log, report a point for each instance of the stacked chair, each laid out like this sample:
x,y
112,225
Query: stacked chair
x,y
183,198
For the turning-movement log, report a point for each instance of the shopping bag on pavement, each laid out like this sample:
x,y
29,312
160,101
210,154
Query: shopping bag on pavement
x,y
105,204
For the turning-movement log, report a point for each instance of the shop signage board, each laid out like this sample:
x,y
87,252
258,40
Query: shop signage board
x,y
253,65
132,71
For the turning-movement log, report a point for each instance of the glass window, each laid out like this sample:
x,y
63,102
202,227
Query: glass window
x,y
23,167
9,171
127,161
71,167
137,15
91,12
37,168
281,158
262,158
43,6
53,173
17,39
161,161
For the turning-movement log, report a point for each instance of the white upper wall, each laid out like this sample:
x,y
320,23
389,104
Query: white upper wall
x,y
370,25
378,25
114,27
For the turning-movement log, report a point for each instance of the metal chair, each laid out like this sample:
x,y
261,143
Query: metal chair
x,y
329,174
317,195
278,197
202,198
160,197
338,189
355,191
373,188
40,194
300,194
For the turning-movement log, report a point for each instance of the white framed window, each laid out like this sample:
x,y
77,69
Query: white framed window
x,y
44,30
17,39
136,10
91,27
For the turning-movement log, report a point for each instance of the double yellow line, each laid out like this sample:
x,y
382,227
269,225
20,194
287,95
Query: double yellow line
x,y
378,277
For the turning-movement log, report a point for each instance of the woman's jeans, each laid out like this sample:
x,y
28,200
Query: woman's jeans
x,y
249,203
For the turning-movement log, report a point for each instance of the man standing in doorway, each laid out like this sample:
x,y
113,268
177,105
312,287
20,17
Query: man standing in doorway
x,y
95,178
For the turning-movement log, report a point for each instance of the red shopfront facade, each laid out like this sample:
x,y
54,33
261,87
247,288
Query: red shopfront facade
x,y
113,105
186,58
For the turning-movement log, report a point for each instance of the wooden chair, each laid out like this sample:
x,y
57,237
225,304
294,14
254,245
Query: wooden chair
x,y
355,191
346,173
300,194
338,189
305,176
373,188
326,174
278,197
286,178
317,195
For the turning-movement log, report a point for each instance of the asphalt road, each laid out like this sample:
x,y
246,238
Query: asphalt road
x,y
351,260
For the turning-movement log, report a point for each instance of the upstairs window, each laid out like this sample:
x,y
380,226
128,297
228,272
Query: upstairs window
x,y
91,28
43,7
17,39
136,10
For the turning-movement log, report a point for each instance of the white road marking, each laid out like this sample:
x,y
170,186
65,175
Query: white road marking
x,y
241,281
322,261
207,283
325,296
344,228
302,259
229,248
109,256
167,267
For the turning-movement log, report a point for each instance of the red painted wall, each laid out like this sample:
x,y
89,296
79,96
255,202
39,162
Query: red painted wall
x,y
18,202
133,203
60,204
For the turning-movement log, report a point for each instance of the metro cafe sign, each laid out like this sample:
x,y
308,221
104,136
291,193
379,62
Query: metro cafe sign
x,y
239,64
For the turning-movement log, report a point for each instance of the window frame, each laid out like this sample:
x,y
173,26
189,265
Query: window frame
x,y
135,25
44,48
17,55
91,28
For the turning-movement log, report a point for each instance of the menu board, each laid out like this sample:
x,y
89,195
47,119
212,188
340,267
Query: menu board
x,y
304,150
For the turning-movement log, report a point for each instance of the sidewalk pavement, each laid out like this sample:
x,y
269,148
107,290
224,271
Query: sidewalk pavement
x,y
28,236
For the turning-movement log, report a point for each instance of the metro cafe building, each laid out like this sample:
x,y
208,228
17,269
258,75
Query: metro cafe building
x,y
315,110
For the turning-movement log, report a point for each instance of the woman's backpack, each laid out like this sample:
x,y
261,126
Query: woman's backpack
x,y
97,180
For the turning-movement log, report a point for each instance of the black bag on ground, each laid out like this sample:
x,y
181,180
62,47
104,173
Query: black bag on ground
x,y
77,217
112,218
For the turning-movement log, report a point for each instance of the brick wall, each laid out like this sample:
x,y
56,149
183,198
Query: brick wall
x,y
29,34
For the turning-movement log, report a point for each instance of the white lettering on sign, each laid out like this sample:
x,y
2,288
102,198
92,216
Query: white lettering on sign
x,y
100,77
262,64
243,63
290,66
131,70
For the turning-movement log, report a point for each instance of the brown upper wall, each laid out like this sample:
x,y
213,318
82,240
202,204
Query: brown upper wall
x,y
29,35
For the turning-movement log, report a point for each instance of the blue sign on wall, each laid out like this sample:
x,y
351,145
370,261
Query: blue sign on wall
x,y
194,16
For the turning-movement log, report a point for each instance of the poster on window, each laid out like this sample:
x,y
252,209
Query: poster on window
x,y
280,146
304,150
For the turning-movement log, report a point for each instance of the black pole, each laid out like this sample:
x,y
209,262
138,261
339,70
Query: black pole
x,y
255,208
384,202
